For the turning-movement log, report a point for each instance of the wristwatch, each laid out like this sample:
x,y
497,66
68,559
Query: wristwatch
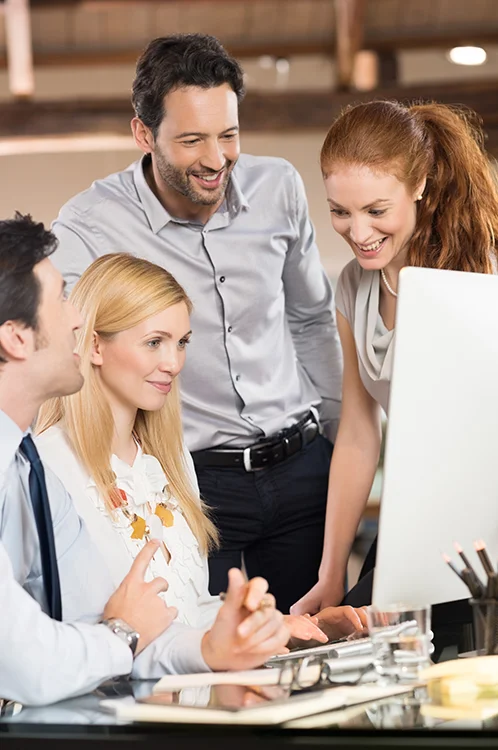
x,y
123,631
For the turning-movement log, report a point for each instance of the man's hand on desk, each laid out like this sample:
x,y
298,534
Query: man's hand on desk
x,y
248,628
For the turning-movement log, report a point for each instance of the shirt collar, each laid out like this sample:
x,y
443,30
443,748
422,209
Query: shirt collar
x,y
10,439
158,216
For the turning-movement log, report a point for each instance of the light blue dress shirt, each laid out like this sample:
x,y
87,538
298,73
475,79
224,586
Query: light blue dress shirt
x,y
265,347
42,660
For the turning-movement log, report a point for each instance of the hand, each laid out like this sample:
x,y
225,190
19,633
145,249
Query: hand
x,y
325,593
244,634
138,603
337,622
304,631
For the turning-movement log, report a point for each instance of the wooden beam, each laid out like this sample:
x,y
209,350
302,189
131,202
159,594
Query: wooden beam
x,y
19,57
103,57
240,50
349,22
277,112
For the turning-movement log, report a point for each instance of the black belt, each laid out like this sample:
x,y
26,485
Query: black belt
x,y
264,453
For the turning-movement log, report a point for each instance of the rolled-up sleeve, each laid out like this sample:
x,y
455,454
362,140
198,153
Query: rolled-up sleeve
x,y
309,301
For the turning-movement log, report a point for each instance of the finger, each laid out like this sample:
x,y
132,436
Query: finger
x,y
265,632
158,585
362,614
304,629
351,614
316,634
298,608
142,560
274,645
256,590
171,614
236,590
255,621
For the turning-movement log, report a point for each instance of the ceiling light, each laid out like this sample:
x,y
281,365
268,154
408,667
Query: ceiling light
x,y
282,65
467,55
266,62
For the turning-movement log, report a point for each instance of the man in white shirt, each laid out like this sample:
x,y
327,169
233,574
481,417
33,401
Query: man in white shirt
x,y
47,558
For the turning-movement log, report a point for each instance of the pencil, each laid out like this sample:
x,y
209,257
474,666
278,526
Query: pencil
x,y
264,603
484,557
463,556
452,565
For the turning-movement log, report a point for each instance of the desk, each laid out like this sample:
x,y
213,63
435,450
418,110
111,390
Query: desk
x,y
394,723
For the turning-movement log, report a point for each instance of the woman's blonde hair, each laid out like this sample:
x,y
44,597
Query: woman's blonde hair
x,y
115,293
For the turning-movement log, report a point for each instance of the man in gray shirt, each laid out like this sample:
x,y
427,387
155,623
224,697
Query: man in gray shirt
x,y
264,366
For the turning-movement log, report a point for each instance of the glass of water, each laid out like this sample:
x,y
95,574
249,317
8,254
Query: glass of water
x,y
401,638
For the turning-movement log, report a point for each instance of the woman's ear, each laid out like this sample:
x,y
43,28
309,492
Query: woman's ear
x,y
96,357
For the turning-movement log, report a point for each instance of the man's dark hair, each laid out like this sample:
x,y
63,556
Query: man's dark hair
x,y
23,244
173,62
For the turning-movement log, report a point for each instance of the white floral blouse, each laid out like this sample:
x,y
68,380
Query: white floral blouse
x,y
145,486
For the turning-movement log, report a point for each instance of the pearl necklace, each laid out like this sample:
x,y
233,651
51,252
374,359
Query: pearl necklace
x,y
388,286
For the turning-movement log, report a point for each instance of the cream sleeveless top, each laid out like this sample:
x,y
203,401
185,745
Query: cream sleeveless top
x,y
357,299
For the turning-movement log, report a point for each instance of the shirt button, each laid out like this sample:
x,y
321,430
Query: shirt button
x,y
237,377
229,329
222,279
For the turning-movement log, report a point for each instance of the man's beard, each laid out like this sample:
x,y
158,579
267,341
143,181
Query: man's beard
x,y
179,180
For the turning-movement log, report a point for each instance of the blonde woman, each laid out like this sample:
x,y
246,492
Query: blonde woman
x,y
117,446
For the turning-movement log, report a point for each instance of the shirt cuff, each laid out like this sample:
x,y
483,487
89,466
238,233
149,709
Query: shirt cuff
x,y
187,655
120,655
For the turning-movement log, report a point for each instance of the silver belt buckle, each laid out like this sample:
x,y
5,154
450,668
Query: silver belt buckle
x,y
247,459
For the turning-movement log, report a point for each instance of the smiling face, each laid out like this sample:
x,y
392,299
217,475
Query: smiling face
x,y
197,144
373,212
136,367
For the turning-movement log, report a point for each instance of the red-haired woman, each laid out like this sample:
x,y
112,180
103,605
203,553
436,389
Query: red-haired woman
x,y
406,185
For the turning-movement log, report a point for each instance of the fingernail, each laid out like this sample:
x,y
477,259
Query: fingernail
x,y
243,630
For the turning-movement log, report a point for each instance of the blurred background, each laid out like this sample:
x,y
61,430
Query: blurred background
x,y
66,68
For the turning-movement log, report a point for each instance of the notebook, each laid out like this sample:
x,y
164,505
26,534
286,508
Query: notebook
x,y
159,708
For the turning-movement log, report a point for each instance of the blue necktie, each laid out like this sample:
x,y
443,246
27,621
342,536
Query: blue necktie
x,y
43,518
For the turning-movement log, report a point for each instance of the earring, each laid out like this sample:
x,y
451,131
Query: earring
x,y
419,197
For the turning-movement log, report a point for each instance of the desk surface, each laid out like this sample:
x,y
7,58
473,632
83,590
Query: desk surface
x,y
392,723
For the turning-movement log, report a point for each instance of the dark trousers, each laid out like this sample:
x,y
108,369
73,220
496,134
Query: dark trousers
x,y
274,517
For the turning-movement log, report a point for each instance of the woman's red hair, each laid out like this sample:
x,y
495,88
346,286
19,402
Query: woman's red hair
x,y
457,218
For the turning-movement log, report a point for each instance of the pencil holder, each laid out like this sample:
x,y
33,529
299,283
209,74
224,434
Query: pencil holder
x,y
485,613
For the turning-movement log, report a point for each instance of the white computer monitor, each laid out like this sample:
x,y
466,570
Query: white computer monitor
x,y
441,460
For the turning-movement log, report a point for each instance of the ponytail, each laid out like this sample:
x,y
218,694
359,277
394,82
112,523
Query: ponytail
x,y
457,220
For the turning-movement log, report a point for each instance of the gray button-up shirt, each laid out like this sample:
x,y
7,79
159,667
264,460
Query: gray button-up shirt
x,y
265,347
